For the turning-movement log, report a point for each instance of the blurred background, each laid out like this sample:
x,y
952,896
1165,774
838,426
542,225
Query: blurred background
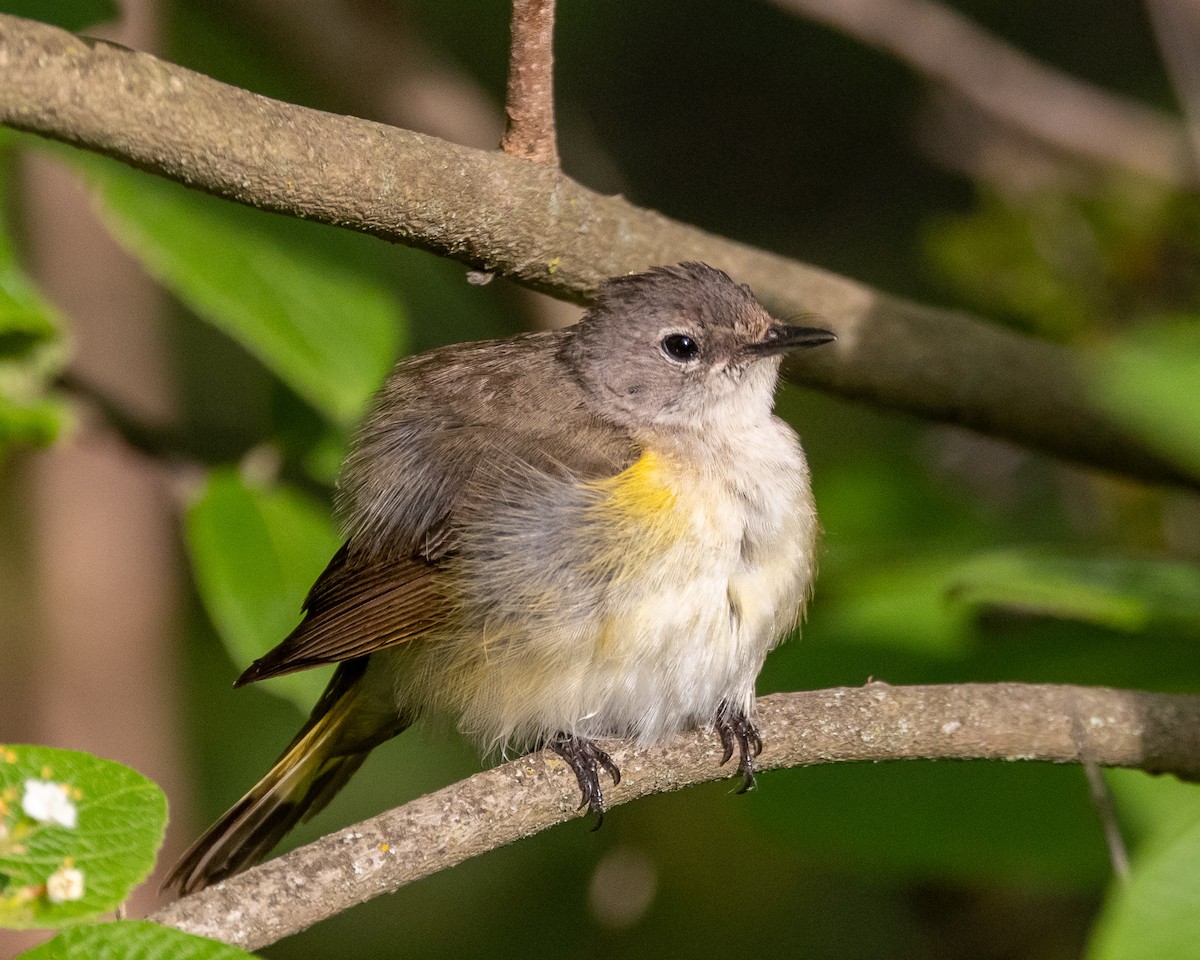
x,y
179,376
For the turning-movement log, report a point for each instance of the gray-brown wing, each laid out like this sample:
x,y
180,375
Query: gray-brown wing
x,y
360,604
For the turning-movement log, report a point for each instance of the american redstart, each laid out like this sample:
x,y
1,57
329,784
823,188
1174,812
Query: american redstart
x,y
563,536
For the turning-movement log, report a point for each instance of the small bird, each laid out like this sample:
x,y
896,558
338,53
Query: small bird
x,y
550,539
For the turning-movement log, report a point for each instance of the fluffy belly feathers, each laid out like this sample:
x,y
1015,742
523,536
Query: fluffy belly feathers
x,y
661,604
692,621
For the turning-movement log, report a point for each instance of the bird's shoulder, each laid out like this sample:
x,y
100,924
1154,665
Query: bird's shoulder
x,y
469,421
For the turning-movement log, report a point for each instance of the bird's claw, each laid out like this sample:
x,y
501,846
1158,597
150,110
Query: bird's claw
x,y
737,730
586,759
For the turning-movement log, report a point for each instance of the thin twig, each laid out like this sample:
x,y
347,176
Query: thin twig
x,y
1058,109
530,99
1106,809
1147,731
1177,28
531,224
1098,789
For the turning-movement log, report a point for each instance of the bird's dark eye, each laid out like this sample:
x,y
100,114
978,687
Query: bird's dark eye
x,y
679,346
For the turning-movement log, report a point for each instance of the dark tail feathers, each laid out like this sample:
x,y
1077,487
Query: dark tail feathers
x,y
320,760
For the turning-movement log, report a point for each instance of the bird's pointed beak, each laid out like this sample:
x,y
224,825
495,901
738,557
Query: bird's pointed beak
x,y
780,338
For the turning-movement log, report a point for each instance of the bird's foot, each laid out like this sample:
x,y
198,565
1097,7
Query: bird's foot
x,y
586,759
736,729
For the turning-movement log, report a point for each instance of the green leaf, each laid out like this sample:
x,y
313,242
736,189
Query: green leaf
x,y
324,456
1120,593
38,423
255,554
1156,915
31,354
1153,809
68,14
119,818
328,333
1149,382
24,320
128,939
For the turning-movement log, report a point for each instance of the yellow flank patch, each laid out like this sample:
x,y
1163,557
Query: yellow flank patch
x,y
639,492
634,520
608,637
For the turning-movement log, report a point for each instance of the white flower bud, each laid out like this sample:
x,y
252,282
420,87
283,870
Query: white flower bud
x,y
64,884
48,802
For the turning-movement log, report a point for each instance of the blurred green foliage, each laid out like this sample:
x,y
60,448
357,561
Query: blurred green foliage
x,y
946,557
68,14
1149,379
327,332
255,553
31,348
1071,263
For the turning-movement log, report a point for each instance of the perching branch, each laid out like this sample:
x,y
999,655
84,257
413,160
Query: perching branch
x,y
1060,110
1118,728
530,223
529,102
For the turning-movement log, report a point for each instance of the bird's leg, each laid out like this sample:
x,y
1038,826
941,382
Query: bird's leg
x,y
735,728
586,759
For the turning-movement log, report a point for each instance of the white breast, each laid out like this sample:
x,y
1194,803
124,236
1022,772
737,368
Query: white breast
x,y
714,604
677,621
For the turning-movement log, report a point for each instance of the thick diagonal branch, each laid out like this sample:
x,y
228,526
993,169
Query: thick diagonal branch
x,y
530,223
1153,732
